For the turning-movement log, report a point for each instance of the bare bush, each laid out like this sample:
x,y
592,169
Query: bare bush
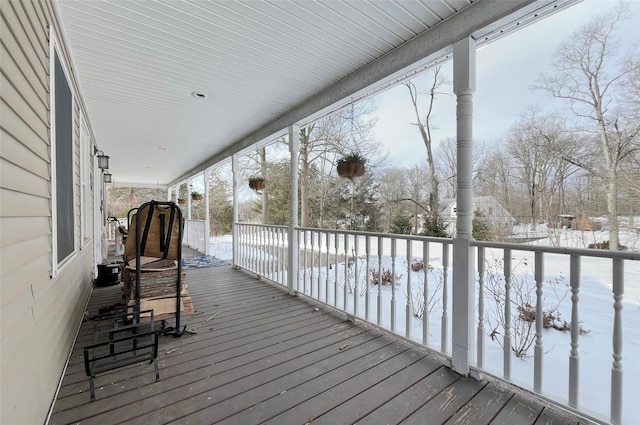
x,y
387,277
523,312
433,298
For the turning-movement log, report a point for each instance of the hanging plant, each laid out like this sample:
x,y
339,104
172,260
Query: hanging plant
x,y
257,183
196,196
182,201
351,165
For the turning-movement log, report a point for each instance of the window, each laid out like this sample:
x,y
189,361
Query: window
x,y
62,163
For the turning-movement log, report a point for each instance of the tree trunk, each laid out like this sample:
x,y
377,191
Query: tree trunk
x,y
265,192
304,177
612,209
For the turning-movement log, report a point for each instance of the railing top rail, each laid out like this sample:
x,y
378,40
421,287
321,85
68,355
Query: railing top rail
x,y
446,241
584,252
192,220
269,226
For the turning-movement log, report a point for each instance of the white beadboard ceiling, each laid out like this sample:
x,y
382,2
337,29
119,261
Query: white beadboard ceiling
x,y
262,65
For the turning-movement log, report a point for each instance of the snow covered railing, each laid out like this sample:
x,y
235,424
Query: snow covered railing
x,y
376,277
381,278
523,294
262,249
529,293
194,235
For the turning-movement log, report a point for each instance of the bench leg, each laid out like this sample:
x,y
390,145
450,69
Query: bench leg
x,y
155,364
92,388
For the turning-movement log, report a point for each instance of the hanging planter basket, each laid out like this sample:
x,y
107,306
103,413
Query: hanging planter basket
x,y
257,183
351,166
182,202
196,196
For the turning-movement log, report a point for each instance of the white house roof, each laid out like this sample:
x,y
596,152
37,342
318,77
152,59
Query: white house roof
x,y
262,66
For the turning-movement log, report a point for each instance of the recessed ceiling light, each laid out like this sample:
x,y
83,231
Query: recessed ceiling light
x,y
198,94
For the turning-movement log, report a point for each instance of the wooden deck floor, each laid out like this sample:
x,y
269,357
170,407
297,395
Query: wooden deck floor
x,y
262,357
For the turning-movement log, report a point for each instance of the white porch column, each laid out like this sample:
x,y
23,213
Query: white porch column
x,y
293,252
207,219
234,231
189,185
464,72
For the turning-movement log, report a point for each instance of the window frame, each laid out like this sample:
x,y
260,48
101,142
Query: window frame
x,y
55,51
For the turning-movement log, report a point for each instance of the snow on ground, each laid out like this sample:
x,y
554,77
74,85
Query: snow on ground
x,y
595,310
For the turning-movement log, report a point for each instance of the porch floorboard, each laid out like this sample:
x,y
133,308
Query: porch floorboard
x,y
259,356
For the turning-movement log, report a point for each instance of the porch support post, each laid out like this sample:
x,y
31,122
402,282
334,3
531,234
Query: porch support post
x,y
207,219
293,252
235,171
464,69
189,190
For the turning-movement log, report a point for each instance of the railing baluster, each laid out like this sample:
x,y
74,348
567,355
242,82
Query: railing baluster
x,y
367,307
275,236
245,247
480,334
277,255
312,262
409,312
507,315
304,261
346,272
335,280
425,308
356,276
268,248
300,239
256,252
539,348
379,299
445,299
574,357
319,283
261,251
393,284
616,367
326,290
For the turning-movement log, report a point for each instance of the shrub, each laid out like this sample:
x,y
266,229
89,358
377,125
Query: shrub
x,y
387,277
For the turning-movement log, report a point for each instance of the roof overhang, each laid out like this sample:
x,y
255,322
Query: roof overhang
x,y
264,66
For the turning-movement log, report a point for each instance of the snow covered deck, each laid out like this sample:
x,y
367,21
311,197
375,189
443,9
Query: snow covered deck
x,y
262,356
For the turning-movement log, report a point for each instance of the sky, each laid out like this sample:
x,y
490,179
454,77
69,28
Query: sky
x,y
506,70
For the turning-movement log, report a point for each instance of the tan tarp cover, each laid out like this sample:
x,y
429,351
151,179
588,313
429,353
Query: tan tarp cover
x,y
153,248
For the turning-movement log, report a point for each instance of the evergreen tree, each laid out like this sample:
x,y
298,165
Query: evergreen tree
x,y
220,206
401,225
481,228
434,226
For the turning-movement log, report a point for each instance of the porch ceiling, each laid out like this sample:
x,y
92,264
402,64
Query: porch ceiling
x,y
262,65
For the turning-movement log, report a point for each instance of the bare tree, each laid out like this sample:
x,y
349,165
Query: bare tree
x,y
446,160
537,145
424,126
592,76
321,143
393,187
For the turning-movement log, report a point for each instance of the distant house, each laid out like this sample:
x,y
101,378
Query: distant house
x,y
491,209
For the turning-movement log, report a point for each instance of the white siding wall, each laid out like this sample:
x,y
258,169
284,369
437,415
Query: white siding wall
x,y
39,315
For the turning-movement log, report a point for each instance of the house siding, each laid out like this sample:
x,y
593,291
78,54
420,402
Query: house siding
x,y
39,315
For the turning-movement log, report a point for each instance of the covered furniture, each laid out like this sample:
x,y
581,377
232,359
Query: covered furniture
x,y
153,277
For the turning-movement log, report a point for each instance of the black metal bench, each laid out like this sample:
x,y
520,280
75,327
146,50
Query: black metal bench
x,y
125,343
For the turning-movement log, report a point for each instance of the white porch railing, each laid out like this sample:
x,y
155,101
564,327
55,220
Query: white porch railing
x,y
195,235
403,284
